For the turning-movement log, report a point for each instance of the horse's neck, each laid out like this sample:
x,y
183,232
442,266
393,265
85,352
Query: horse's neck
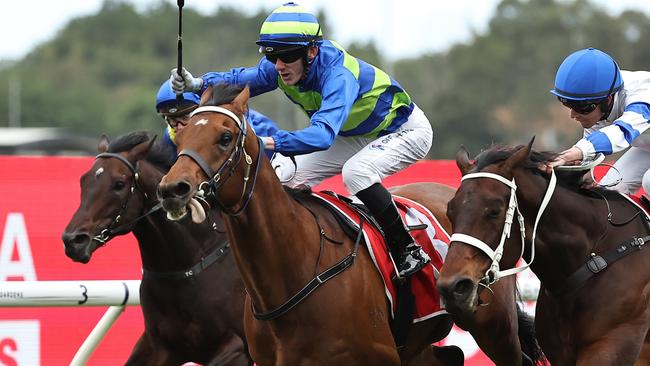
x,y
565,233
271,240
166,245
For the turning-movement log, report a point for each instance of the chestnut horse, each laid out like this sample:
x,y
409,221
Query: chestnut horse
x,y
592,307
191,293
280,244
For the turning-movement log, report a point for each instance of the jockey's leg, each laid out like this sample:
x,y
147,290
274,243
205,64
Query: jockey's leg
x,y
629,172
381,157
409,256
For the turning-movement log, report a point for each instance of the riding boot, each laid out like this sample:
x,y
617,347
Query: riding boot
x,y
408,255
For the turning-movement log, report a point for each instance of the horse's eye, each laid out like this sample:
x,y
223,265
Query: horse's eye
x,y
119,185
493,213
225,139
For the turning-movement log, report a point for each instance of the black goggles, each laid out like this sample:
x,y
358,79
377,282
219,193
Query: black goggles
x,y
287,57
580,106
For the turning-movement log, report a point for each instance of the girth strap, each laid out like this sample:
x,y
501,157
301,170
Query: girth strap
x,y
598,263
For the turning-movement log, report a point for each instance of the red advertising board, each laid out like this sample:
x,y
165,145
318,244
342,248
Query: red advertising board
x,y
39,195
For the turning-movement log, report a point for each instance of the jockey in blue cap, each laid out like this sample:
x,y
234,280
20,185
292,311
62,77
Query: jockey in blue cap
x,y
613,107
177,112
363,124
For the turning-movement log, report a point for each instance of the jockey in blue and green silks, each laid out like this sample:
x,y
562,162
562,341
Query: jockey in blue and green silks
x,y
363,124
177,112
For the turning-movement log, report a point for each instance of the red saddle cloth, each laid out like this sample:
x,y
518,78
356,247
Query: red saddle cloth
x,y
434,240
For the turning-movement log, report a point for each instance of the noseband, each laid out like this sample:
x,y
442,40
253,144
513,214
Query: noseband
x,y
494,273
110,232
208,189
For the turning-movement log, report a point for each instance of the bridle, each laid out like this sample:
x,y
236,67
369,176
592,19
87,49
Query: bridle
x,y
494,273
208,189
112,230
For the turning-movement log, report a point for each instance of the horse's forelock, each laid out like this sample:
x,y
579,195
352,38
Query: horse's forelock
x,y
223,93
160,155
128,141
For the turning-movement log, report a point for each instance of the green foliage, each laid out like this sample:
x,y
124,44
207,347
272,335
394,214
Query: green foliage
x,y
101,72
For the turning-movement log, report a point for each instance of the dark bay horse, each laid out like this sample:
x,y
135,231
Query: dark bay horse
x,y
191,293
593,305
280,244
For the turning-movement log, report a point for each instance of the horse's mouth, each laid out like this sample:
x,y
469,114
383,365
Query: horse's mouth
x,y
177,211
176,214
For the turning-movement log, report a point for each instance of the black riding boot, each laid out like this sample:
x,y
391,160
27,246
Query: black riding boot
x,y
408,255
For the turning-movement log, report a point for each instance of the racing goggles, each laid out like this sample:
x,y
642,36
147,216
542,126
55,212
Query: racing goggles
x,y
580,106
174,121
286,57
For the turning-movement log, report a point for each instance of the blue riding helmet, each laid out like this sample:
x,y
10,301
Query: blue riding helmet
x,y
166,102
288,28
587,74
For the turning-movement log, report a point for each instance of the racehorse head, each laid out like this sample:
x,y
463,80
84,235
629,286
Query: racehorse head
x,y
111,195
218,151
483,214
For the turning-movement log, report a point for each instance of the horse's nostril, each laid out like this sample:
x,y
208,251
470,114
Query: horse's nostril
x,y
456,291
182,189
174,190
75,238
462,288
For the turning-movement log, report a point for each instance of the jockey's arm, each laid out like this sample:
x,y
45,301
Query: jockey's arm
x,y
260,79
339,91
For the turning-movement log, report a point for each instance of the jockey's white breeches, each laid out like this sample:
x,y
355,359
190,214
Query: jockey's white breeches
x,y
363,161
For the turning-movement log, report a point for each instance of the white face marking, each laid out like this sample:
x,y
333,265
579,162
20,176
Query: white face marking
x,y
98,172
202,121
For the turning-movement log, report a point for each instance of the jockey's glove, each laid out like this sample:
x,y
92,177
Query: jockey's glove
x,y
185,82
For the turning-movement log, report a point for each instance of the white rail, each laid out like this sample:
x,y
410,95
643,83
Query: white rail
x,y
116,294
69,293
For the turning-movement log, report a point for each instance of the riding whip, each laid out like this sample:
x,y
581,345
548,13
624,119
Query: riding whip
x,y
180,3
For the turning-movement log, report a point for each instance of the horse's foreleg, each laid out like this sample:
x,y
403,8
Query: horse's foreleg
x,y
231,352
644,357
620,346
145,353
439,356
495,325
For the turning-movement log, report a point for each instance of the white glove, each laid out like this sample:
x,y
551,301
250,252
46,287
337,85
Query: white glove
x,y
186,82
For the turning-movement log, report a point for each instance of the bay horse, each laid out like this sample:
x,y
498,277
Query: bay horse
x,y
583,245
281,240
191,293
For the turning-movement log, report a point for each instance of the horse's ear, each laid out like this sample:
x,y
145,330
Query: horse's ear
x,y
240,103
519,156
207,95
141,150
103,144
463,162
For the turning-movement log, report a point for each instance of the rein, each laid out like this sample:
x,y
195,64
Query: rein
x,y
494,273
209,188
111,231
194,270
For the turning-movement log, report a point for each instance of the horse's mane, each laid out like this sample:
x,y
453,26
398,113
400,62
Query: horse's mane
x,y
300,193
160,154
499,153
223,93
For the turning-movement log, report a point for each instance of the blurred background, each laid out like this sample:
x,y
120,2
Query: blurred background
x,y
481,69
